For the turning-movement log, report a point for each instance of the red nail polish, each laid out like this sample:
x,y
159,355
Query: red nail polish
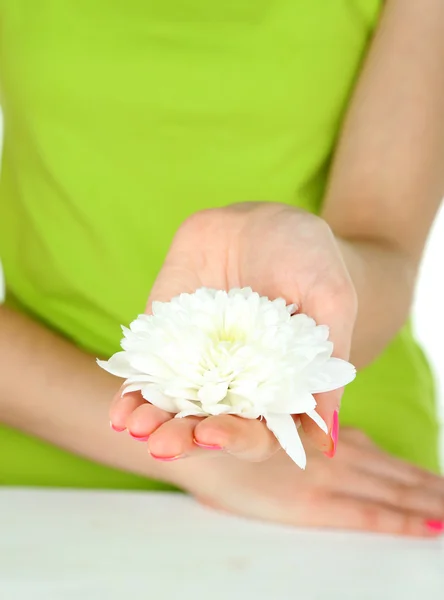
x,y
114,428
208,446
139,438
435,526
167,458
334,434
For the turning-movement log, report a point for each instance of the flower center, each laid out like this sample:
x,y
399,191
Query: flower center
x,y
231,334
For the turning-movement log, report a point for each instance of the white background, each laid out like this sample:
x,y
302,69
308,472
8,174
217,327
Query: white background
x,y
429,304
91,545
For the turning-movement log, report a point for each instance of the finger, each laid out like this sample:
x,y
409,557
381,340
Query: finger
x,y
248,439
145,420
341,512
405,474
326,442
174,439
361,450
333,302
390,492
122,407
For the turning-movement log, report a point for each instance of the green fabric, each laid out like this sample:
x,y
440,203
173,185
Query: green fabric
x,y
123,118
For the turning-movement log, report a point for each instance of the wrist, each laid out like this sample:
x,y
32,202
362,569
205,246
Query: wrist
x,y
384,279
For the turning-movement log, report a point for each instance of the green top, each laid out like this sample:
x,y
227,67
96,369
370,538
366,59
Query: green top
x,y
123,118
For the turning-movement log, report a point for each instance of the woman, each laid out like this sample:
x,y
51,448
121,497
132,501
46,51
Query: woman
x,y
124,122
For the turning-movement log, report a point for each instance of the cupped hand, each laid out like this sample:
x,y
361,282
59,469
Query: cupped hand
x,y
278,251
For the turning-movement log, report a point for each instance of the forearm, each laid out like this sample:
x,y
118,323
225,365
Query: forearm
x,y
384,280
387,179
52,390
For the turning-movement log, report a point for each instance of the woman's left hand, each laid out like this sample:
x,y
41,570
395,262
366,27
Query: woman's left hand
x,y
279,251
363,489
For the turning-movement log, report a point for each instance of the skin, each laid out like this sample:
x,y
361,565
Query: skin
x,y
388,163
362,489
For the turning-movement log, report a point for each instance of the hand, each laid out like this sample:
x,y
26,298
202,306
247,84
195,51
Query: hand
x,y
362,489
279,251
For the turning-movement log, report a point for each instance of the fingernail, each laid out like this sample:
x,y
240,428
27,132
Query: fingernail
x,y
114,428
208,446
139,438
167,458
334,434
435,526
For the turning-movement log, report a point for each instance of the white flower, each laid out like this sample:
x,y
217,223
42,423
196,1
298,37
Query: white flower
x,y
213,353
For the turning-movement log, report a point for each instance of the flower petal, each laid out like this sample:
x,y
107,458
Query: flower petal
x,y
118,365
295,403
176,391
154,396
133,387
318,420
285,430
219,409
196,412
149,363
212,393
334,374
135,383
292,309
185,408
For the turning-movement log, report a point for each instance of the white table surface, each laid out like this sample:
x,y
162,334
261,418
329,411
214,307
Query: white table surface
x,y
82,545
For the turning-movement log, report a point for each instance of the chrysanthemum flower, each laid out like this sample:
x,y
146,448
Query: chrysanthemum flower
x,y
216,352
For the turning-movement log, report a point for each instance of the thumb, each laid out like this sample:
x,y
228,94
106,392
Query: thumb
x,y
172,281
338,310
328,409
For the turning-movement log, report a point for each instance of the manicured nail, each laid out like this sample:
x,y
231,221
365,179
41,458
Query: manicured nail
x,y
139,438
168,458
334,434
435,526
114,428
208,446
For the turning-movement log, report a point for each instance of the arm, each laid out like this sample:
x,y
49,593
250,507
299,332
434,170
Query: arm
x,y
388,175
52,390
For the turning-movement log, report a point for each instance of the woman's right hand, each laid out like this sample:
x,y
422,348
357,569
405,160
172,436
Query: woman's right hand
x,y
362,488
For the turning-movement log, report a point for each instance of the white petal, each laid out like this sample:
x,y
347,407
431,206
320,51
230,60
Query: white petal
x,y
185,408
149,363
295,403
311,357
196,412
246,387
154,396
175,391
292,309
211,393
118,365
219,409
318,420
141,378
334,374
137,382
133,387
141,324
285,430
